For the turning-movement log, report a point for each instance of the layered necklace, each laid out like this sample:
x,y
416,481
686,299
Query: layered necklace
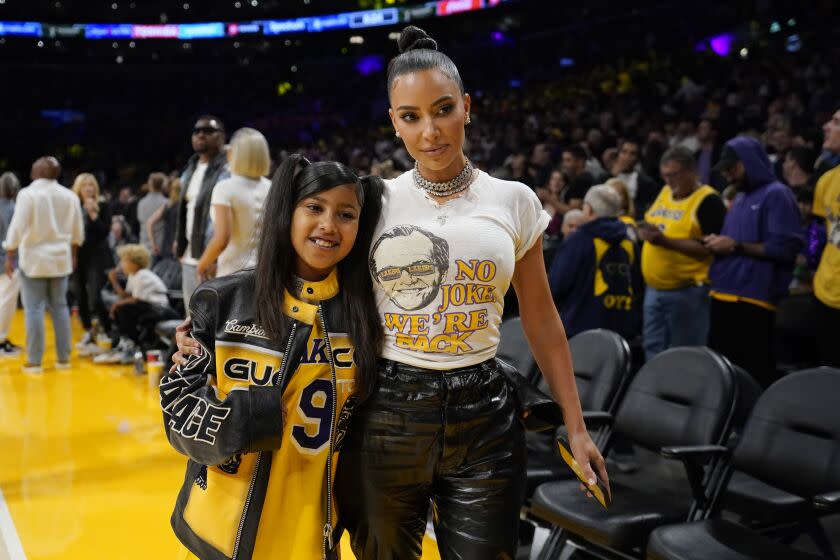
x,y
447,188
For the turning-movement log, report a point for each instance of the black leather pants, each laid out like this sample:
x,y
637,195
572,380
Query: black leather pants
x,y
450,438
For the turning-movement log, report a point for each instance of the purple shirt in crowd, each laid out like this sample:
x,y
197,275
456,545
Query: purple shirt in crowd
x,y
765,212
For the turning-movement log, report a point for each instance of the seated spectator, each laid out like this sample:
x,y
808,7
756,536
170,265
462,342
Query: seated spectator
x,y
580,180
675,263
641,188
595,276
119,235
813,232
628,210
551,195
798,168
142,304
572,220
754,257
707,154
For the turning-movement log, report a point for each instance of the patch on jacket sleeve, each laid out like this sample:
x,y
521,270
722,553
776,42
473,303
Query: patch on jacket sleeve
x,y
231,466
201,478
343,422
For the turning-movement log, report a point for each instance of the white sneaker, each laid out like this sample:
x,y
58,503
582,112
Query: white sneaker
x,y
112,357
32,368
91,350
86,339
63,365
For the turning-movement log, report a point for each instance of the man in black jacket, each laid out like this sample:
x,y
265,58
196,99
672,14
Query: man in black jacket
x,y
206,168
641,188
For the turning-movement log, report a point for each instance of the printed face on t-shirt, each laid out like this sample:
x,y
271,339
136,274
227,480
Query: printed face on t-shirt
x,y
410,263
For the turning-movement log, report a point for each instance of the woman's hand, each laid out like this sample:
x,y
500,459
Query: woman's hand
x,y
589,458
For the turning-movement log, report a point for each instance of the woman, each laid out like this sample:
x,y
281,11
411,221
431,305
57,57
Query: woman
x,y
93,261
442,424
552,198
168,214
288,345
236,207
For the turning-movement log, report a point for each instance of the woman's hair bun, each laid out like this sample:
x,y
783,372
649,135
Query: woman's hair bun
x,y
413,38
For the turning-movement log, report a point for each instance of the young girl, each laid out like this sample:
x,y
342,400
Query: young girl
x,y
287,348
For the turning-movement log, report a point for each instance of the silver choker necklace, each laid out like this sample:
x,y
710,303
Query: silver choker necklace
x,y
446,188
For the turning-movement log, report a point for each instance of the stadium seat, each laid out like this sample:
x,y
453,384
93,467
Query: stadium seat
x,y
514,349
680,404
791,449
601,360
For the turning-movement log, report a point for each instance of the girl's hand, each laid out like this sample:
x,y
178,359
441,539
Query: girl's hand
x,y
589,458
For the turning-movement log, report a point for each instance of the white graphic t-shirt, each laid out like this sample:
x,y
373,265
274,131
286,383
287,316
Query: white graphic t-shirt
x,y
440,270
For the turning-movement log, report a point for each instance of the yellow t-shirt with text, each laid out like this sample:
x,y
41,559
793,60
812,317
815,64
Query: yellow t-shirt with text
x,y
827,205
666,269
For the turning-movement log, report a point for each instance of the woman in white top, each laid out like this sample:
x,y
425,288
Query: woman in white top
x,y
236,207
442,423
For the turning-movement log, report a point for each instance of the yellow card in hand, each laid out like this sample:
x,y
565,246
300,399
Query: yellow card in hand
x,y
599,490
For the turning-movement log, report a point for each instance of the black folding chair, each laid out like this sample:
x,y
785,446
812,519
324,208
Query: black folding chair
x,y
680,404
601,361
791,443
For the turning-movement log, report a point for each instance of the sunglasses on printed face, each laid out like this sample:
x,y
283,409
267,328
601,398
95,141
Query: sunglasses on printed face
x,y
417,269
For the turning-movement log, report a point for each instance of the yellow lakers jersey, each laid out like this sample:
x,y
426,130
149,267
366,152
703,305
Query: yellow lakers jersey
x,y
665,269
294,501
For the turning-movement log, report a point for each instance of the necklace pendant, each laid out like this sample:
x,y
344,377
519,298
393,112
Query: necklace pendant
x,y
442,219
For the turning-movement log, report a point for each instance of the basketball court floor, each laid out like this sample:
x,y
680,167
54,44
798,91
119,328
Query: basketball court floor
x,y
86,471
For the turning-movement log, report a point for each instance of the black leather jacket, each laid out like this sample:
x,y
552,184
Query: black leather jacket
x,y
216,171
235,429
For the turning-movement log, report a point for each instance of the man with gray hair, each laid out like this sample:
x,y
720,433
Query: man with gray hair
x,y
595,278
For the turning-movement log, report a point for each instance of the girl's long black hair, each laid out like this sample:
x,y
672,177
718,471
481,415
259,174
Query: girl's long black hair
x,y
293,181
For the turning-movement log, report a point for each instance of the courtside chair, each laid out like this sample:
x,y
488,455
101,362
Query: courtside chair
x,y
792,443
601,360
680,404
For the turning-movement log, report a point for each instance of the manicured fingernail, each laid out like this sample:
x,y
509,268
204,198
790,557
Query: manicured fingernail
x,y
591,481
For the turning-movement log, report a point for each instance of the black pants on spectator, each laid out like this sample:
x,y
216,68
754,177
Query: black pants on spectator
x,y
88,281
828,334
744,333
136,321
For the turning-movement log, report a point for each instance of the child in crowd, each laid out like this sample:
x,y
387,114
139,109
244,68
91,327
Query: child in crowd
x,y
139,306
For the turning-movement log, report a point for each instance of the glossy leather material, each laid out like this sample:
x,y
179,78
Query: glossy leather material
x,y
451,437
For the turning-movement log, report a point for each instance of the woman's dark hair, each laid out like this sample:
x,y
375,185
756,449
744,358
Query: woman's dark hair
x,y
295,180
419,52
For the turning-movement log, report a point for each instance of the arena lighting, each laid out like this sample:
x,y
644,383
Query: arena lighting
x,y
357,40
315,24
722,44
